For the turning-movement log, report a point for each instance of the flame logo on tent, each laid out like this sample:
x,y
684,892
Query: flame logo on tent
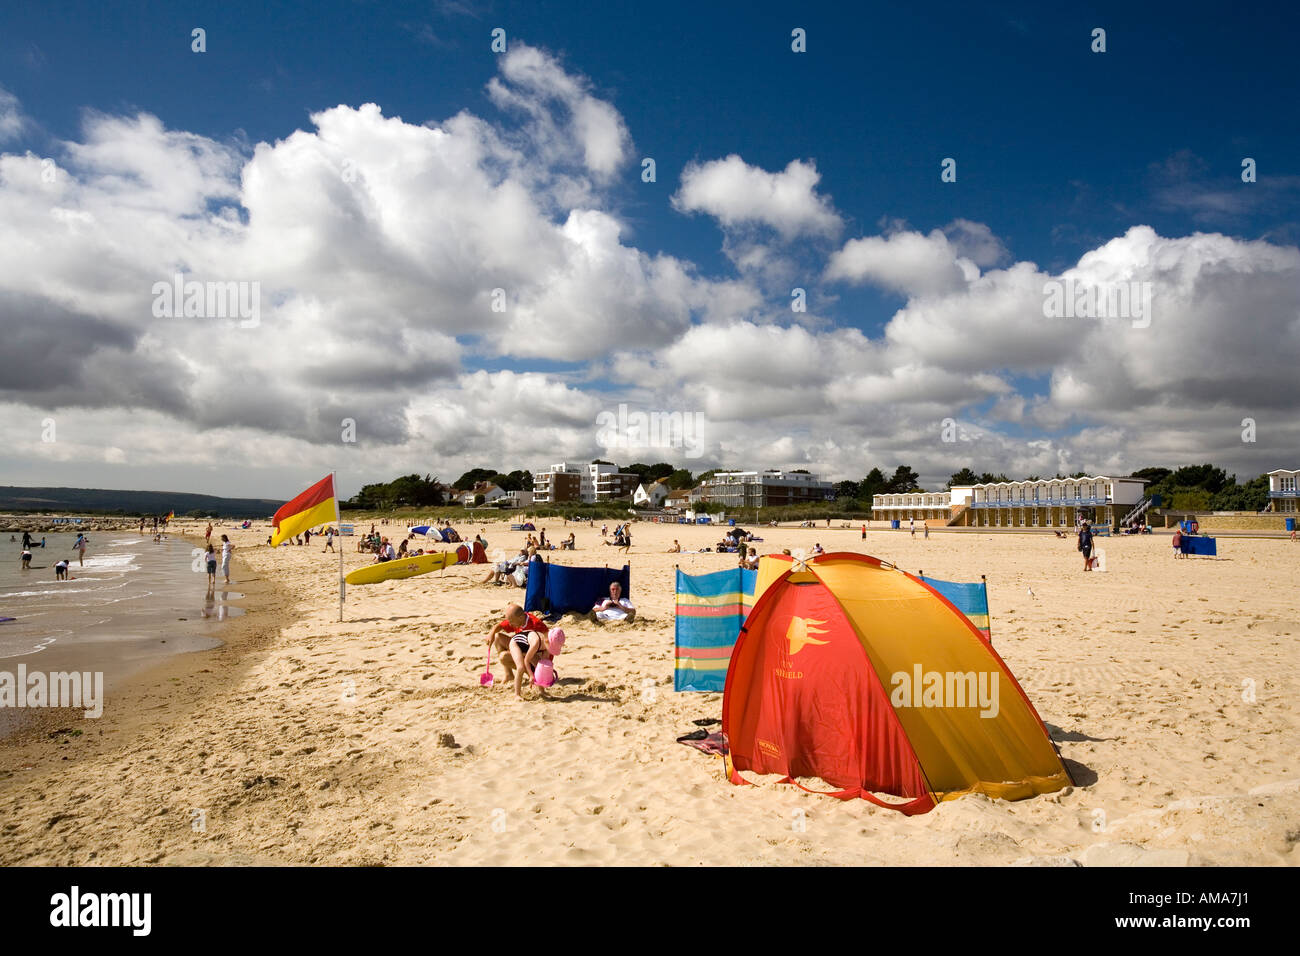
x,y
797,635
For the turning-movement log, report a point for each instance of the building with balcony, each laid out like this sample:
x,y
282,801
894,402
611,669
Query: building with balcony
x,y
590,481
1282,491
763,489
1052,502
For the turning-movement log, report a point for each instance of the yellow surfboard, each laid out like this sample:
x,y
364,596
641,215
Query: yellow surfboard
x,y
401,568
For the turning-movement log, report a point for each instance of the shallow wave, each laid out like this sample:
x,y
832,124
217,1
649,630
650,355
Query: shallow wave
x,y
115,561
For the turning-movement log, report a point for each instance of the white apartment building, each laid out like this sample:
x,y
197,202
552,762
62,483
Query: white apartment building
x,y
589,481
762,489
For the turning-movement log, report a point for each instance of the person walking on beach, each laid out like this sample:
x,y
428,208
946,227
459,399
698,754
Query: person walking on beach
x,y
207,535
1085,544
911,526
1178,543
80,548
329,540
211,556
226,549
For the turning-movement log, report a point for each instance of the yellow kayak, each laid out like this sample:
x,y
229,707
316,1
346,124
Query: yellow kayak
x,y
401,568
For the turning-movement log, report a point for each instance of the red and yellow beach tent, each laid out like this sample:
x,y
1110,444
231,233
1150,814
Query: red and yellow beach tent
x,y
862,675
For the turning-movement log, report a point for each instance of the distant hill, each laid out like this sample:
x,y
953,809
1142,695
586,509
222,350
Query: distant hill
x,y
108,502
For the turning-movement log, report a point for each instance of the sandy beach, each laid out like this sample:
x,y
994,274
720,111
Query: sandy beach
x,y
1170,687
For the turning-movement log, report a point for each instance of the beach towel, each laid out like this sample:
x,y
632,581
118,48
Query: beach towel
x,y
554,589
710,610
971,599
714,744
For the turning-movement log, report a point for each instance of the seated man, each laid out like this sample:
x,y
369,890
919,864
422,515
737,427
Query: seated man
x,y
613,608
676,548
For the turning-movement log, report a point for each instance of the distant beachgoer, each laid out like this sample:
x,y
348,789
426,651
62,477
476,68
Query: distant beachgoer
x,y
1178,543
925,528
226,549
1085,545
627,539
911,526
27,559
864,532
207,535
211,558
742,549
676,548
604,530
61,569
613,608
306,536
329,540
818,549
80,548
27,539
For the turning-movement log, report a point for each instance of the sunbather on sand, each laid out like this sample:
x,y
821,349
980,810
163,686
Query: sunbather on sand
x,y
613,608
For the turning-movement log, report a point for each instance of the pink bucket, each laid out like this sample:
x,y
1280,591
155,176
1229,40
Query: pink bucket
x,y
555,641
544,674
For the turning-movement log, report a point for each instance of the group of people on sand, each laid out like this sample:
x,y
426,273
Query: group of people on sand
x,y
622,536
512,570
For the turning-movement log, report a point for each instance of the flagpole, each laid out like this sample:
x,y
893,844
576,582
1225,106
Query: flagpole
x,y
987,610
338,525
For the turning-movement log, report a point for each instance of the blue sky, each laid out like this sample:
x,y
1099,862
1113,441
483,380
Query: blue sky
x,y
1059,151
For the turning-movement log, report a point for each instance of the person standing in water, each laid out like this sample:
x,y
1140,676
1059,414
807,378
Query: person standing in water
x,y
226,549
80,548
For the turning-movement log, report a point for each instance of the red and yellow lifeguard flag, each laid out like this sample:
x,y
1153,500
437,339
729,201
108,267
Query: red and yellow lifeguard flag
x,y
314,506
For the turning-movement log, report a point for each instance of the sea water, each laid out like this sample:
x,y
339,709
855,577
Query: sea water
x,y
133,602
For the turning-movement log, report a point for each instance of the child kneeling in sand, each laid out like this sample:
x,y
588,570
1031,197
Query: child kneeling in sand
x,y
518,639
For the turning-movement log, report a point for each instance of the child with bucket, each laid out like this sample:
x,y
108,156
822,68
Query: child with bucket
x,y
524,646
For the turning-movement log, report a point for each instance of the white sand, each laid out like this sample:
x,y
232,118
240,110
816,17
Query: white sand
x,y
324,745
